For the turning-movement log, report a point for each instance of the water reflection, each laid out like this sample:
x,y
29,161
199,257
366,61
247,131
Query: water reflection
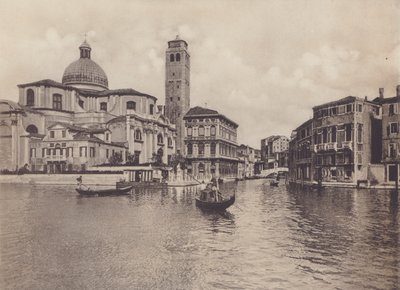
x,y
271,237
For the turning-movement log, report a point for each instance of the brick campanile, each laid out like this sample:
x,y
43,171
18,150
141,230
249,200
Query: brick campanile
x,y
177,87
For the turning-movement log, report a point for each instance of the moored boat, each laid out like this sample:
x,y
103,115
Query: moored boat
x,y
83,190
221,204
274,183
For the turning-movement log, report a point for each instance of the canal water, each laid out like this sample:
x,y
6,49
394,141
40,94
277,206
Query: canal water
x,y
272,238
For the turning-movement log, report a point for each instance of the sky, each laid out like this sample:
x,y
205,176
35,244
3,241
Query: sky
x,y
263,64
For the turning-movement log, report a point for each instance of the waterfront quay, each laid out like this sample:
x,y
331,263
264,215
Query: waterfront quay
x,y
272,237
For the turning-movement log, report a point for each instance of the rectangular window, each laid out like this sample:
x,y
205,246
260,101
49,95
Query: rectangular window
x,y
57,102
347,132
92,152
151,109
359,107
393,128
392,109
333,139
349,108
33,152
83,151
64,133
51,134
107,153
103,106
359,133
43,152
201,131
189,131
48,152
131,105
392,150
212,131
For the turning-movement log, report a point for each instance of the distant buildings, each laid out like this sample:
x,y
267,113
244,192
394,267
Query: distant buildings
x,y
274,151
351,140
211,144
250,157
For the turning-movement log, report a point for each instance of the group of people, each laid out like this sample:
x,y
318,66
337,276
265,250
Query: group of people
x,y
209,191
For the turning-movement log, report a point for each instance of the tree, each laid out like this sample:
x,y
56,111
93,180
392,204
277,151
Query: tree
x,y
116,158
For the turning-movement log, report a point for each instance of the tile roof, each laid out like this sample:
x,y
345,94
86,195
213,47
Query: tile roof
x,y
203,112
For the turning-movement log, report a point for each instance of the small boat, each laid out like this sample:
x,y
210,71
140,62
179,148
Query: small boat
x,y
274,183
84,190
222,204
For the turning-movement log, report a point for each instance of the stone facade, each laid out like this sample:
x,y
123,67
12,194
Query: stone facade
x,y
211,145
177,87
81,105
339,144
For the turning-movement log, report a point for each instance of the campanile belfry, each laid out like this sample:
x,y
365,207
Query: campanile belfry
x,y
177,86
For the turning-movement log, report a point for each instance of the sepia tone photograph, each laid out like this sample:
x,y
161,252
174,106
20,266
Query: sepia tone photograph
x,y
181,144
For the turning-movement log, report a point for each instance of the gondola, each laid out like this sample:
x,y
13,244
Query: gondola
x,y
274,183
214,205
87,191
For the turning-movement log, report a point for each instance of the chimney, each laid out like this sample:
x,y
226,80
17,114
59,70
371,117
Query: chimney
x,y
381,93
398,91
366,98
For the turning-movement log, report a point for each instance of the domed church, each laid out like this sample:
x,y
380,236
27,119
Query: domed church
x,y
70,126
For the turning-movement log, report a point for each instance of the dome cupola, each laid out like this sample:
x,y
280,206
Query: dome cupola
x,y
84,73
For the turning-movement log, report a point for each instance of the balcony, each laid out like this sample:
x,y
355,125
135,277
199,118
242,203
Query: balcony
x,y
56,158
319,147
331,146
347,145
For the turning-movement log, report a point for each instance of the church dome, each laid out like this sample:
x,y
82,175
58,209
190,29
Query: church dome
x,y
84,72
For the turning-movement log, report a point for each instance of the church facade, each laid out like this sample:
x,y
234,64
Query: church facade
x,y
80,122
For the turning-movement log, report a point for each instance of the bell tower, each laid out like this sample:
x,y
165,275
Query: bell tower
x,y
177,87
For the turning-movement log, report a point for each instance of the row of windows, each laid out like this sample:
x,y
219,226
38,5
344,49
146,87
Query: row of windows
x,y
201,131
68,152
328,135
338,110
224,149
30,100
57,102
53,134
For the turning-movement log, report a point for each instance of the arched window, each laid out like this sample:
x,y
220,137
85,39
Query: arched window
x,y
213,149
190,148
160,139
30,97
57,102
201,148
138,135
212,130
178,57
171,57
32,129
169,141
131,105
103,106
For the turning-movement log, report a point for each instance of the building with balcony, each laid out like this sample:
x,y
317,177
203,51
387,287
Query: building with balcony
x,y
210,144
89,113
341,143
